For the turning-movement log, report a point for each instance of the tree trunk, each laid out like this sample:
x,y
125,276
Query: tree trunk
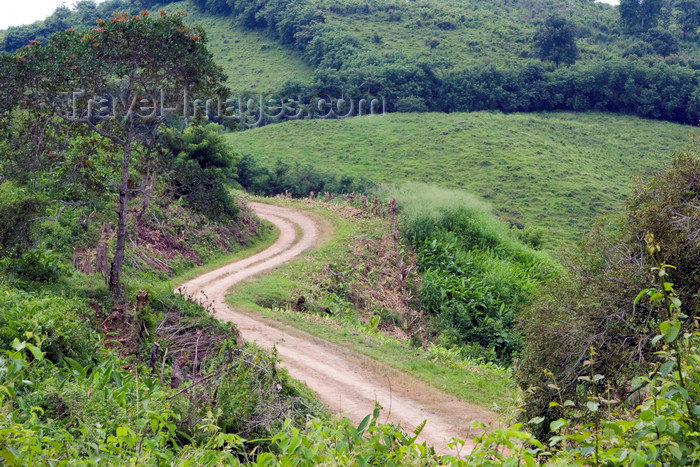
x,y
116,269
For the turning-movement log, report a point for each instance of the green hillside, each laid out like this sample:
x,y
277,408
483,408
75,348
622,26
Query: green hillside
x,y
469,33
252,60
444,55
556,170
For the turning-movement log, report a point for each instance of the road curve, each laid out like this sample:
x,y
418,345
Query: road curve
x,y
346,382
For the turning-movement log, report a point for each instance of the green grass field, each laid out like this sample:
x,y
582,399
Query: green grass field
x,y
555,170
252,60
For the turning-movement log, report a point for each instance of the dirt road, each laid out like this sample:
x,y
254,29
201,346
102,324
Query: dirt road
x,y
346,382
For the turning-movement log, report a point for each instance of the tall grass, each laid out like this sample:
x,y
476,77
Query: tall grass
x,y
476,272
425,209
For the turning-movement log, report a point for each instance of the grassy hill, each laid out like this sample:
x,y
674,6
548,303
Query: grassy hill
x,y
555,170
472,32
252,60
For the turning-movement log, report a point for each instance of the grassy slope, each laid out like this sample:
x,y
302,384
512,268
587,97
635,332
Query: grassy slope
x,y
252,60
496,31
556,170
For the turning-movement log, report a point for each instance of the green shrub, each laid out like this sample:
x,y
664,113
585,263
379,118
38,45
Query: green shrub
x,y
590,305
37,265
60,321
200,163
299,180
411,104
476,273
17,208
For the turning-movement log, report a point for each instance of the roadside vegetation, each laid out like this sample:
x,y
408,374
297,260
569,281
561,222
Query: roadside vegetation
x,y
476,273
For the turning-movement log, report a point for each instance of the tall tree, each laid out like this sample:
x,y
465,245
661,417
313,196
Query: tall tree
x,y
689,18
663,41
638,16
555,41
115,80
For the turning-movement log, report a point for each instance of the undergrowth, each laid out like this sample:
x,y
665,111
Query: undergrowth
x,y
476,273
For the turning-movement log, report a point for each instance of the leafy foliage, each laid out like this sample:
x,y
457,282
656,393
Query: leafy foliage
x,y
142,57
476,273
17,209
590,307
639,15
200,164
298,180
60,322
338,41
555,41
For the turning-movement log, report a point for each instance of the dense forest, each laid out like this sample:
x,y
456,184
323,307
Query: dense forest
x,y
100,216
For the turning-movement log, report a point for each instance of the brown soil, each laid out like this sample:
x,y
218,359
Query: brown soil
x,y
346,382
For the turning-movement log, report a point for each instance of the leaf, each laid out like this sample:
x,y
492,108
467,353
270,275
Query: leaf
x,y
363,425
536,421
672,332
554,404
660,423
614,427
666,367
640,295
664,326
556,424
77,367
419,428
592,406
36,351
122,432
569,403
10,455
673,449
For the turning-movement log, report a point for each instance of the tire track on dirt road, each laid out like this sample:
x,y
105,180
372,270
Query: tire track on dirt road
x,y
345,381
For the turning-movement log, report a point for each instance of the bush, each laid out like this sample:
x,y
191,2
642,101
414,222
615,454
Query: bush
x,y
591,305
299,180
17,208
411,104
37,265
639,49
201,163
60,321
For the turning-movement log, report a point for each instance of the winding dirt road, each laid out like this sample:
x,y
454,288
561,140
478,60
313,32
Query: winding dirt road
x,y
346,382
